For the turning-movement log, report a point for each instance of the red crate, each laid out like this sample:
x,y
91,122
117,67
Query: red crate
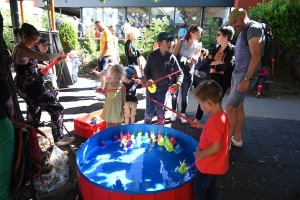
x,y
83,127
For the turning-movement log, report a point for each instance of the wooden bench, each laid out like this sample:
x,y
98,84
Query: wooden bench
x,y
266,86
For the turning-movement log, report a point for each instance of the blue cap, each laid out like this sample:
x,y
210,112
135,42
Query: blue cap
x,y
182,32
128,72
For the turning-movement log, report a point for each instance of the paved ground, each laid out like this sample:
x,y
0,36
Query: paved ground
x,y
266,167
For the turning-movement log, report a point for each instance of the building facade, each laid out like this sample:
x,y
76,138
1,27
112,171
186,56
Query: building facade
x,y
140,13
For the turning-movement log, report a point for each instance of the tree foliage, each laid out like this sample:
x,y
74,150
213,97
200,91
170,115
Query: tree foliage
x,y
283,17
68,37
7,29
148,36
209,35
45,19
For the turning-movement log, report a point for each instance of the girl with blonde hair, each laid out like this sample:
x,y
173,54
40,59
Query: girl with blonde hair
x,y
133,54
114,106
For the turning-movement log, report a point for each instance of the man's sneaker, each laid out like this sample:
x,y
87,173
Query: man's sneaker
x,y
64,141
182,119
258,96
235,143
173,117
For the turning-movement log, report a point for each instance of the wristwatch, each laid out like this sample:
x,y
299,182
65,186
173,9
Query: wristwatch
x,y
247,78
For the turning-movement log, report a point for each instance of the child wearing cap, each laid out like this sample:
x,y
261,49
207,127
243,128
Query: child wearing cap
x,y
160,63
181,33
131,100
50,78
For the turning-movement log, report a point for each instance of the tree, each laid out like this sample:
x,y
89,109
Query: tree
x,y
45,19
209,35
68,37
148,36
283,18
7,29
5,62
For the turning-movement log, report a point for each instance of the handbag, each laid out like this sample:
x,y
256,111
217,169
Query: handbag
x,y
35,149
182,61
23,168
27,154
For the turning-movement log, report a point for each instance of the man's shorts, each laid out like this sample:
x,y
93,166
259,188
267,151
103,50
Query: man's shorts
x,y
103,64
130,109
235,97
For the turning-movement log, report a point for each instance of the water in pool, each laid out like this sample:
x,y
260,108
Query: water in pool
x,y
148,168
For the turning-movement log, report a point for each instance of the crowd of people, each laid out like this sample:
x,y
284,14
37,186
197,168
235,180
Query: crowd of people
x,y
210,72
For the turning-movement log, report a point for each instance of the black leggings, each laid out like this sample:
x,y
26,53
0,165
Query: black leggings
x,y
225,86
47,102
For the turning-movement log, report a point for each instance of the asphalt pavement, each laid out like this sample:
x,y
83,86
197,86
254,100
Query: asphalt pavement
x,y
266,167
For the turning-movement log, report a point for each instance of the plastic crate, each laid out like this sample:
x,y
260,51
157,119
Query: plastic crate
x,y
83,127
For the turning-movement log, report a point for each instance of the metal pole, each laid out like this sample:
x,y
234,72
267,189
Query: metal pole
x,y
81,15
52,15
14,12
49,28
22,11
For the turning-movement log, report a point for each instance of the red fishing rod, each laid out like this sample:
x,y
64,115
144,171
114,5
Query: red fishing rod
x,y
177,113
111,89
54,62
159,79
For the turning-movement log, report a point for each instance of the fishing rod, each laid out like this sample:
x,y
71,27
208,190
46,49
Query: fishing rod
x,y
177,113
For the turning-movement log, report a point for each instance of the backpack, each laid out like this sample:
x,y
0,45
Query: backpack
x,y
269,51
58,22
26,163
80,27
23,171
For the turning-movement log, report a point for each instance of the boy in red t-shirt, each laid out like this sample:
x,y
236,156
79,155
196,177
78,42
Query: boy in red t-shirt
x,y
212,153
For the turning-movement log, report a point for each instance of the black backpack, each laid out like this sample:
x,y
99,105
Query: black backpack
x,y
58,22
80,26
269,51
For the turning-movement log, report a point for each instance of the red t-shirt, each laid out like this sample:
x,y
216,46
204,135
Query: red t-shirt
x,y
97,34
216,129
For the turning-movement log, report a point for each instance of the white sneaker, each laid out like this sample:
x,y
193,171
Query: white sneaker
x,y
101,96
236,143
173,117
182,119
64,141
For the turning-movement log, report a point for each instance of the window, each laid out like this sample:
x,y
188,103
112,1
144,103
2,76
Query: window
x,y
185,16
138,17
219,14
214,18
109,16
161,12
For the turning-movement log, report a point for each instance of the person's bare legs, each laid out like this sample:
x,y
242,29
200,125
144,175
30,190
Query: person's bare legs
x,y
102,80
240,122
132,119
108,125
232,115
126,120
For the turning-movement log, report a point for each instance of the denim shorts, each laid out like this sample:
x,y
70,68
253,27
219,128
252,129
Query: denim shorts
x,y
103,64
235,97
